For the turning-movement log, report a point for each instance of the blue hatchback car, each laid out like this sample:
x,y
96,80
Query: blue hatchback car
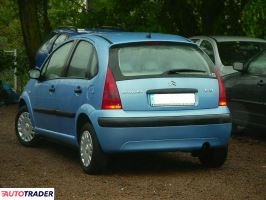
x,y
116,92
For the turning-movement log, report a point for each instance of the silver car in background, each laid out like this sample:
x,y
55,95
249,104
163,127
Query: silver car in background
x,y
226,50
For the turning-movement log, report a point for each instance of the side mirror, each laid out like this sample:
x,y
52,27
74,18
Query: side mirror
x,y
238,66
35,73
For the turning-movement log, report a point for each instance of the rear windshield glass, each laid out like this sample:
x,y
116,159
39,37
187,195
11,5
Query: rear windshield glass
x,y
231,52
137,61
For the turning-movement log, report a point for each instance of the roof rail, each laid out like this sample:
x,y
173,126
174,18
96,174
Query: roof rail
x,y
98,29
72,28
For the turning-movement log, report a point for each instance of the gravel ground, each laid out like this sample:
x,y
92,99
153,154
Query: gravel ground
x,y
136,176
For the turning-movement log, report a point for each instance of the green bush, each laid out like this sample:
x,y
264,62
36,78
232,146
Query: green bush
x,y
254,18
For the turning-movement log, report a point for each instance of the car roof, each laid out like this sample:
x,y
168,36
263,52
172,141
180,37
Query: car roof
x,y
130,37
230,38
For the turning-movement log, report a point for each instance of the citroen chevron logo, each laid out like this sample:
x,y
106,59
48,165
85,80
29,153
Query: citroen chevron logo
x,y
172,83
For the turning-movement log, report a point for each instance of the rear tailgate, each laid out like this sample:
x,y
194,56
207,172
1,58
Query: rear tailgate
x,y
163,76
168,94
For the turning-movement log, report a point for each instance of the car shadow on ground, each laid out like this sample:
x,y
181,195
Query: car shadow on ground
x,y
153,163
59,149
131,163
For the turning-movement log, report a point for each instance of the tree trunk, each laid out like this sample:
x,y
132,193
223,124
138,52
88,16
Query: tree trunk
x,y
210,12
88,5
30,28
46,22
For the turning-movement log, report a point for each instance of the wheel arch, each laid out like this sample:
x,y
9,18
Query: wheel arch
x,y
81,120
82,117
21,103
24,100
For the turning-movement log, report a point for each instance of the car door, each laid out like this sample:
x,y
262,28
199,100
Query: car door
x,y
248,94
44,91
78,87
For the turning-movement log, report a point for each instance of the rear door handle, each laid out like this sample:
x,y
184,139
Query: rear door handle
x,y
52,89
78,90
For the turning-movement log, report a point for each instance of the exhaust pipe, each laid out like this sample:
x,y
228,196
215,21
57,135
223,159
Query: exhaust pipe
x,y
206,147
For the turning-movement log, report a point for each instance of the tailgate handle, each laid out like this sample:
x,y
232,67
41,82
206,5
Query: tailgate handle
x,y
172,91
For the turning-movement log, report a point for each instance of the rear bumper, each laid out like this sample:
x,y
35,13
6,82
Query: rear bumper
x,y
163,121
120,131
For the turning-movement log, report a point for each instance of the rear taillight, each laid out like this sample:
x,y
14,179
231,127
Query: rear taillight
x,y
222,94
111,98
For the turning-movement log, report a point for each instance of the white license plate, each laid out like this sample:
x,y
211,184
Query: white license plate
x,y
180,99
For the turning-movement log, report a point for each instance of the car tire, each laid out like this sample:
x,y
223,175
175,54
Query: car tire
x,y
24,128
92,158
214,157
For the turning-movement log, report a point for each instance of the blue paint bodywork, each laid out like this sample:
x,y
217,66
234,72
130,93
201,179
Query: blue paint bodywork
x,y
117,139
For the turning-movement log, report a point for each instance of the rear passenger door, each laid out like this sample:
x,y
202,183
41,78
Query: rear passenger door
x,y
257,70
77,88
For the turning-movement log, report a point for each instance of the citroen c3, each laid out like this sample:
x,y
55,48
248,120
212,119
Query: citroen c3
x,y
113,92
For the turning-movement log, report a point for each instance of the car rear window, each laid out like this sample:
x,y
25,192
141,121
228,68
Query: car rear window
x,y
159,60
231,52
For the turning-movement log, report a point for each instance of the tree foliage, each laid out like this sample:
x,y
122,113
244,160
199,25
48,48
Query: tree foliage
x,y
5,61
183,17
10,25
34,24
254,18
66,13
10,35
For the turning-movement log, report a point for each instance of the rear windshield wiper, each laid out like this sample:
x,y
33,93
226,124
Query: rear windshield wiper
x,y
177,71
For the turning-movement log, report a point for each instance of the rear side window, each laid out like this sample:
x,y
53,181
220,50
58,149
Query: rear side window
x,y
231,52
139,61
47,45
84,62
258,65
61,38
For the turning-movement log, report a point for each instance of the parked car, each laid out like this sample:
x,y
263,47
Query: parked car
x,y
61,34
225,50
246,92
7,94
127,92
